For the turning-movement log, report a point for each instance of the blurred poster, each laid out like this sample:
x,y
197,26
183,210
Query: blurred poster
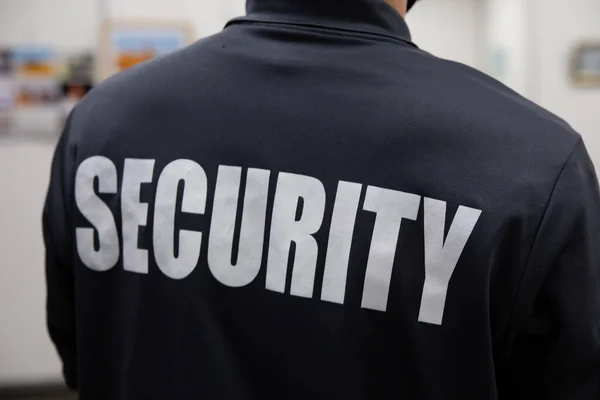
x,y
7,92
39,92
136,46
6,104
128,43
6,62
34,62
36,76
585,66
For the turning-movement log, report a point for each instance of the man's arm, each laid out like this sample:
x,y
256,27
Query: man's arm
x,y
556,350
58,238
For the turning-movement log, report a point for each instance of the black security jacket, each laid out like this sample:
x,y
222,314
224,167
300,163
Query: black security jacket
x,y
308,206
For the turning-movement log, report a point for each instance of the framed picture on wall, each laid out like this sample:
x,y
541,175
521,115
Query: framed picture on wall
x,y
126,43
34,62
585,65
36,74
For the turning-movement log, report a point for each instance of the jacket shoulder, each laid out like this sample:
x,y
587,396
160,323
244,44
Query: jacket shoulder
x,y
489,90
143,90
491,110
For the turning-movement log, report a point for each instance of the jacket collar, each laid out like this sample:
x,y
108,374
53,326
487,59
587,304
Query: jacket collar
x,y
369,16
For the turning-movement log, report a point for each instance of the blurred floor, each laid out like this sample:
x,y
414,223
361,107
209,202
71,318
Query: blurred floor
x,y
41,397
36,393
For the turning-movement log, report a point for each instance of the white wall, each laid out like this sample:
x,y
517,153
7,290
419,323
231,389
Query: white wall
x,y
67,25
208,16
559,27
450,29
25,351
508,40
26,354
537,38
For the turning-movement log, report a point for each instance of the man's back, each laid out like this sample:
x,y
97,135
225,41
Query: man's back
x,y
308,206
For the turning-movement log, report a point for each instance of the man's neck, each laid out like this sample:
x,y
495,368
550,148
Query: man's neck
x,y
399,5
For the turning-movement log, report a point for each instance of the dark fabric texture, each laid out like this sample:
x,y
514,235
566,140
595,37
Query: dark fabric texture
x,y
331,94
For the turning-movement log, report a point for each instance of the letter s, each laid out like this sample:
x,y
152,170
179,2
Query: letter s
x,y
97,213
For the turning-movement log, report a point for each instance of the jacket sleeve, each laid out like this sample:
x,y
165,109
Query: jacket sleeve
x,y
556,349
58,239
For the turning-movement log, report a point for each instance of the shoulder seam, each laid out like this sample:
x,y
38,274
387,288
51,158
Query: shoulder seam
x,y
507,338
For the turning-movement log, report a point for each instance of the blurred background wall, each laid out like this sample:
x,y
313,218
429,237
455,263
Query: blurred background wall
x,y
557,27
527,44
